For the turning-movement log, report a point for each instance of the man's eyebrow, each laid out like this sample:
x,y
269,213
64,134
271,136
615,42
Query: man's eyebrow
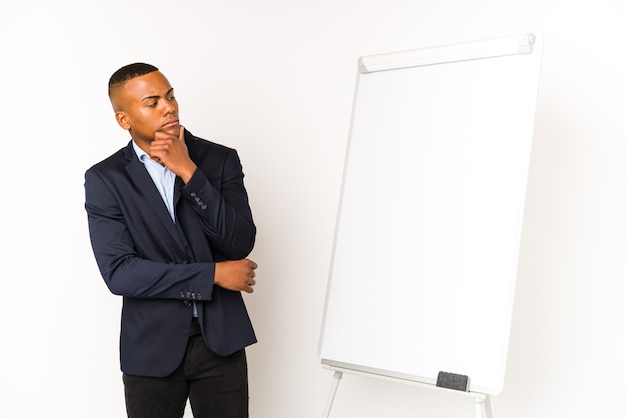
x,y
150,98
157,96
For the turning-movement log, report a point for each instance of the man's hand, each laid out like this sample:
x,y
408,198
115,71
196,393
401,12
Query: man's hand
x,y
236,275
171,151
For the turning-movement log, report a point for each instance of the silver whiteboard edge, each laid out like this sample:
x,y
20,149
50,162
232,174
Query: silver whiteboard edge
x,y
346,160
489,48
402,378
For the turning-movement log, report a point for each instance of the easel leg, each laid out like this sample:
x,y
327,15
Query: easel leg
x,y
482,407
331,395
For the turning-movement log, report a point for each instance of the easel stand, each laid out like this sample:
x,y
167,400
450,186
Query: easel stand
x,y
482,405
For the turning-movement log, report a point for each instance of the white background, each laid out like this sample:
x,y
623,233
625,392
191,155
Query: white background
x,y
275,80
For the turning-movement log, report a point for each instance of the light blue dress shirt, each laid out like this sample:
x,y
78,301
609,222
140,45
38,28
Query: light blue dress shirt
x,y
162,176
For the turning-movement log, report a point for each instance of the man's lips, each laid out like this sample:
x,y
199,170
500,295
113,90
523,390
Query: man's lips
x,y
170,124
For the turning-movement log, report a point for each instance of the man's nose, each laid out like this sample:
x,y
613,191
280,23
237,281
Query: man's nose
x,y
169,107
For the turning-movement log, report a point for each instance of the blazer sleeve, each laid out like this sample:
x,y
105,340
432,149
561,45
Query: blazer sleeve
x,y
221,203
166,274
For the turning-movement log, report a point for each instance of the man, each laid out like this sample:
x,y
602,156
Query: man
x,y
171,228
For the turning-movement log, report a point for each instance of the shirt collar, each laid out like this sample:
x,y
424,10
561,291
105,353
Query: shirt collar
x,y
141,154
145,158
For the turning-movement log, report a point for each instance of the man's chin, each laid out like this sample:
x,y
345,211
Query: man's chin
x,y
172,130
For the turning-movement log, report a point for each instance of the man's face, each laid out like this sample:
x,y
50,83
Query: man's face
x,y
147,105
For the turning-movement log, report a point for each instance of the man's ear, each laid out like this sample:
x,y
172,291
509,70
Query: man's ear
x,y
122,120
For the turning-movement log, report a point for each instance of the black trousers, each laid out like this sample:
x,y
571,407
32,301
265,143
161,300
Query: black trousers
x,y
216,386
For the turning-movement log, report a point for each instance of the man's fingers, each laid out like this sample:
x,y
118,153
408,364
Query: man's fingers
x,y
252,264
251,280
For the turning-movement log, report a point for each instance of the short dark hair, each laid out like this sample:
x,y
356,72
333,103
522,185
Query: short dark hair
x,y
128,72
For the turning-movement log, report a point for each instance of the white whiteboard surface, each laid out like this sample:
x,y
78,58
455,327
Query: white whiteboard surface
x,y
427,239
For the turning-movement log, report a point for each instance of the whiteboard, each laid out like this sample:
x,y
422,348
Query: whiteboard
x,y
428,231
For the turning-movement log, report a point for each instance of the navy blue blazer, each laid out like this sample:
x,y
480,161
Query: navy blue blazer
x,y
161,267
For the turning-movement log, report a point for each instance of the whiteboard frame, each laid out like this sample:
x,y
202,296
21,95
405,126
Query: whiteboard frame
x,y
521,44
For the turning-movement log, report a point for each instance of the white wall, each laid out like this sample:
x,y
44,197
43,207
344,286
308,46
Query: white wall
x,y
275,80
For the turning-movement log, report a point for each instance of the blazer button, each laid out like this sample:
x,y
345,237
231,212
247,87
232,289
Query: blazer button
x,y
187,302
